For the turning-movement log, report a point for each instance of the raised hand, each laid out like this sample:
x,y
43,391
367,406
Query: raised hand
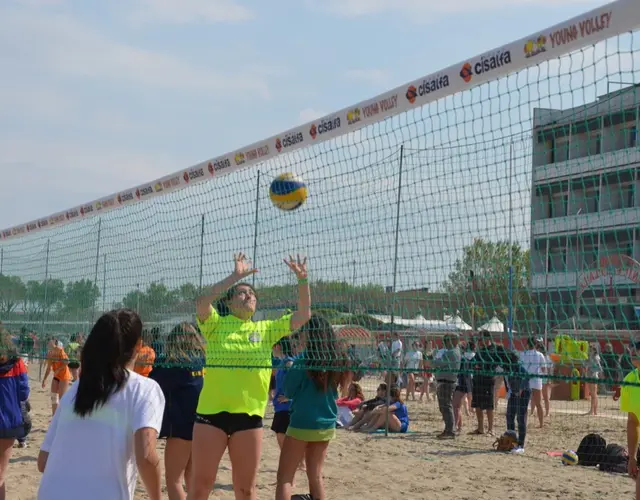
x,y
242,266
298,266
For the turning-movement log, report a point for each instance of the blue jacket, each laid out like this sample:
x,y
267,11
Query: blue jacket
x,y
310,408
281,375
14,389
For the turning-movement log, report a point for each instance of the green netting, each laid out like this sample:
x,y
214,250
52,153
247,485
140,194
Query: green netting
x,y
512,207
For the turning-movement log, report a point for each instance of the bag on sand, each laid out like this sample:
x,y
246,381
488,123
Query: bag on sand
x,y
507,442
616,459
592,450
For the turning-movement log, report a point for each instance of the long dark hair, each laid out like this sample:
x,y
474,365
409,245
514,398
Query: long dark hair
x,y
108,350
222,305
326,357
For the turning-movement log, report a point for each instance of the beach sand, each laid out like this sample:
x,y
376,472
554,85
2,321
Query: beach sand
x,y
412,466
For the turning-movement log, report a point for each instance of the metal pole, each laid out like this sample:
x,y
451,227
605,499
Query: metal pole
x,y
104,281
353,286
95,274
395,277
1,260
510,292
201,253
577,305
255,230
138,298
43,326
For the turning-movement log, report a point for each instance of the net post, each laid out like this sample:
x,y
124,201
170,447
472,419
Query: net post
x,y
510,289
255,229
395,278
44,324
104,281
1,260
95,274
201,253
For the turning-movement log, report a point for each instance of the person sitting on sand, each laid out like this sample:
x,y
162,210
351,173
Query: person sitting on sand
x,y
369,405
377,418
349,403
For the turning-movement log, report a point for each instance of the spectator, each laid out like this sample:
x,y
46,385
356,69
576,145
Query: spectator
x,y
348,404
14,390
464,384
593,370
517,383
398,416
412,363
146,355
626,361
534,362
448,367
611,366
396,358
369,405
483,383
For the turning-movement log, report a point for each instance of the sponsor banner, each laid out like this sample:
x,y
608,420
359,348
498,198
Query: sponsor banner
x,y
599,24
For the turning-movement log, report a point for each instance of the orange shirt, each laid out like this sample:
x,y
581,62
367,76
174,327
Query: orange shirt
x,y
57,360
144,363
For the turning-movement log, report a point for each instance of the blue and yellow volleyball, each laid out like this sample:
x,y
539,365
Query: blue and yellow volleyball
x,y
288,192
570,457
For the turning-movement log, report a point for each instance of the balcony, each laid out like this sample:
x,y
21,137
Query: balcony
x,y
625,217
577,167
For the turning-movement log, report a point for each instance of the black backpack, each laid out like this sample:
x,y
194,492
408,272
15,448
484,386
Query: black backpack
x,y
592,450
616,459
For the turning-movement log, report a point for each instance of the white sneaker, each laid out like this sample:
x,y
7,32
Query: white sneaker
x,y
519,450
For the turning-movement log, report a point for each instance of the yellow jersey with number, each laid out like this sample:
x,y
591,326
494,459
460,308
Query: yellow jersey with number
x,y
238,358
630,395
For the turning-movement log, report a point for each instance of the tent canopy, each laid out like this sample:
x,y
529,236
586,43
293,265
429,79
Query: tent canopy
x,y
458,322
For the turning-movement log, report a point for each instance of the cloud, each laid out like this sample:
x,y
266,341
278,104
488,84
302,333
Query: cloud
x,y
370,76
308,115
66,47
190,11
426,10
49,176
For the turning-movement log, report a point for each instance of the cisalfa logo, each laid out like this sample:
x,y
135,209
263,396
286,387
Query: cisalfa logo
x,y
411,94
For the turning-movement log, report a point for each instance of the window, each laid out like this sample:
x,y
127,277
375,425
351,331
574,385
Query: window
x,y
631,137
595,144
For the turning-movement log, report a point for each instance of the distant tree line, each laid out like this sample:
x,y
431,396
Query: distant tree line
x,y
477,288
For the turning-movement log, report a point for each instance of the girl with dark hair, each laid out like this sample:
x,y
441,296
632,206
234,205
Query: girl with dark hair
x,y
14,391
180,377
312,385
236,383
107,425
281,404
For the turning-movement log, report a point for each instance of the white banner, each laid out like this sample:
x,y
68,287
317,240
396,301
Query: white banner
x,y
597,25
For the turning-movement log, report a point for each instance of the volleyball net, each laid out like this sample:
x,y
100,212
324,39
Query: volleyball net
x,y
500,195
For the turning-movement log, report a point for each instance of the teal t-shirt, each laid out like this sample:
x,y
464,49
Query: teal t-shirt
x,y
311,408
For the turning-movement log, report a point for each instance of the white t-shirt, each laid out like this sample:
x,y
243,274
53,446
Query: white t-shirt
x,y
396,348
93,457
534,362
412,360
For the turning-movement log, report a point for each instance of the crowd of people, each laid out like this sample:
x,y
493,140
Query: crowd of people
x,y
120,389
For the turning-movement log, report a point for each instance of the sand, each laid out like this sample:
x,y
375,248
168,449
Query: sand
x,y
412,466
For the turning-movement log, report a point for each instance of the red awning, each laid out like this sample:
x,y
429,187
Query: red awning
x,y
352,332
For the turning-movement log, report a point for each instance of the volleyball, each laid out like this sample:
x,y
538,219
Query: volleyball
x,y
570,457
288,192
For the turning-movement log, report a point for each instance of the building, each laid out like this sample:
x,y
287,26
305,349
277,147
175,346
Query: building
x,y
585,217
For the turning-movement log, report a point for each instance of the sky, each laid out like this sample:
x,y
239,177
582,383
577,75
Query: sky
x,y
96,97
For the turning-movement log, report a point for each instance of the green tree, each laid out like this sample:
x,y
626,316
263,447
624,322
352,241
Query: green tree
x,y
80,296
43,297
481,276
12,293
154,302
188,292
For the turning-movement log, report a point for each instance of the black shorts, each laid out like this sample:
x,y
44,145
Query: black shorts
x,y
13,433
73,364
230,423
56,379
482,393
280,422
